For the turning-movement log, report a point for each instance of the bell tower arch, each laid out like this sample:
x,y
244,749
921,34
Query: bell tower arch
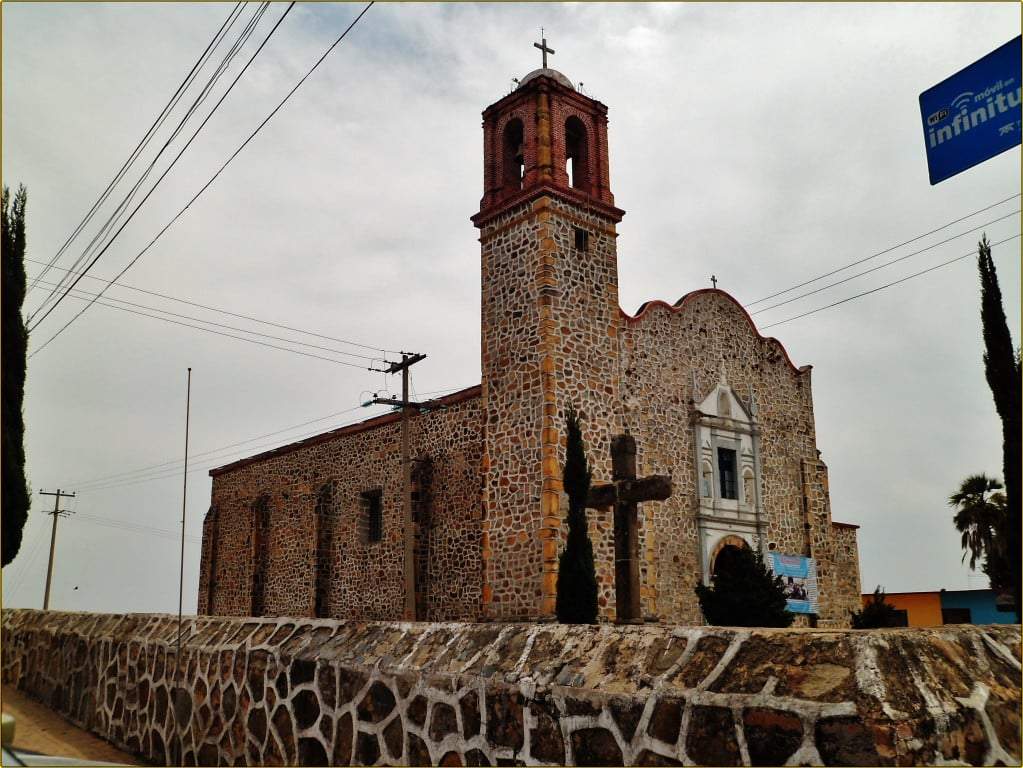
x,y
550,320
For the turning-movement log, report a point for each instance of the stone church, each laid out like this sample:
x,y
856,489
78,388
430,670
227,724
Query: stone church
x,y
315,528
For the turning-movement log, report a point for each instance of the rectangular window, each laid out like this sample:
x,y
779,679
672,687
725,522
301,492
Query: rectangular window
x,y
372,505
901,618
956,616
726,472
582,240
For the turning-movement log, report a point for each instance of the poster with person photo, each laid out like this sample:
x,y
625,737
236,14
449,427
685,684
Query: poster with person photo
x,y
799,575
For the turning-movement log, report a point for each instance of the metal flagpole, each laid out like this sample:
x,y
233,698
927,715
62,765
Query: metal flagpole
x,y
181,575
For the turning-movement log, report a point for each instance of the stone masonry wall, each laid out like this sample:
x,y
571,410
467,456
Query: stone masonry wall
x,y
316,692
665,350
365,578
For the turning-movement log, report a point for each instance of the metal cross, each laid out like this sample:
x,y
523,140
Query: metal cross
x,y
714,280
542,45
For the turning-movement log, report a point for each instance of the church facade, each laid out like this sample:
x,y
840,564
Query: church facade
x,y
316,528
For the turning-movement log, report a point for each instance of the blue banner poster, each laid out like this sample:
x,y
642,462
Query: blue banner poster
x,y
799,575
973,115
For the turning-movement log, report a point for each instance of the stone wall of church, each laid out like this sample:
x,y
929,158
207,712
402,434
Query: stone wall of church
x,y
550,325
671,358
320,692
365,577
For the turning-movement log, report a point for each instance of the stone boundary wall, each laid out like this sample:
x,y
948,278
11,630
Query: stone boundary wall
x,y
312,692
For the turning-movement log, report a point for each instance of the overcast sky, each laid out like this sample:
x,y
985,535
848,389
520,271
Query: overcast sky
x,y
765,144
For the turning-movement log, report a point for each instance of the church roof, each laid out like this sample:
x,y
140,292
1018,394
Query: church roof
x,y
547,72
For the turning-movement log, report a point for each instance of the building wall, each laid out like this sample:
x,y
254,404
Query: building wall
x,y
923,609
981,604
671,357
367,577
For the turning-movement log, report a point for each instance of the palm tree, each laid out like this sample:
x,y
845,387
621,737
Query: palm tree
x,y
981,518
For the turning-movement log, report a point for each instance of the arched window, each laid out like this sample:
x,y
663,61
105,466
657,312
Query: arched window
x,y
324,551
260,552
577,154
213,531
513,157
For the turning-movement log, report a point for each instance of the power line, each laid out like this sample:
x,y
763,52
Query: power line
x,y
170,468
882,253
162,176
210,330
174,462
143,141
232,314
226,163
135,527
78,293
882,266
887,285
37,546
112,220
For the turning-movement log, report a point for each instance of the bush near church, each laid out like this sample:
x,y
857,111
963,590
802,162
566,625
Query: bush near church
x,y
875,614
746,594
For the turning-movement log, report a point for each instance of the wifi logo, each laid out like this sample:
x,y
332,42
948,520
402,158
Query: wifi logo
x,y
962,101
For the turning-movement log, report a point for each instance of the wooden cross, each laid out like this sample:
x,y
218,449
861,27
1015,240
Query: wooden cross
x,y
625,491
543,49
714,280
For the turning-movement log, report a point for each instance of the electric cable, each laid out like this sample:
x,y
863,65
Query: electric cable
x,y
172,467
143,141
218,333
882,253
101,236
162,176
234,314
220,170
78,293
887,285
882,266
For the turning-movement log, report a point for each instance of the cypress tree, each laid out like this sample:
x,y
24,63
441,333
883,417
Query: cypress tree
x,y
15,497
745,594
1001,368
577,576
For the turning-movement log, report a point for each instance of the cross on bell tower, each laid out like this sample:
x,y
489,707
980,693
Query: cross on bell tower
x,y
542,45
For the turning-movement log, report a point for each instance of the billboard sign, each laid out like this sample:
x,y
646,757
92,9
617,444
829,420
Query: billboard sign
x,y
974,114
799,575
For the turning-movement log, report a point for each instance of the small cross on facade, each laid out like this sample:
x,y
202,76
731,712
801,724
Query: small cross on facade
x,y
714,280
542,45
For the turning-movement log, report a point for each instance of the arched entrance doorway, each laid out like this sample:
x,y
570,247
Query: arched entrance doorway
x,y
726,553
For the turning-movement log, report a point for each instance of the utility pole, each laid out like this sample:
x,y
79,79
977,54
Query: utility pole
x,y
407,361
57,512
178,692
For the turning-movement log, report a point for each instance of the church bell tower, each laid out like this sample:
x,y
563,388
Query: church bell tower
x,y
550,325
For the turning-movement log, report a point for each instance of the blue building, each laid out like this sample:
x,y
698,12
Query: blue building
x,y
975,606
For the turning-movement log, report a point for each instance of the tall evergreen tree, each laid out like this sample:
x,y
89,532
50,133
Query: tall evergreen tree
x,y
15,496
1001,367
577,577
745,594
